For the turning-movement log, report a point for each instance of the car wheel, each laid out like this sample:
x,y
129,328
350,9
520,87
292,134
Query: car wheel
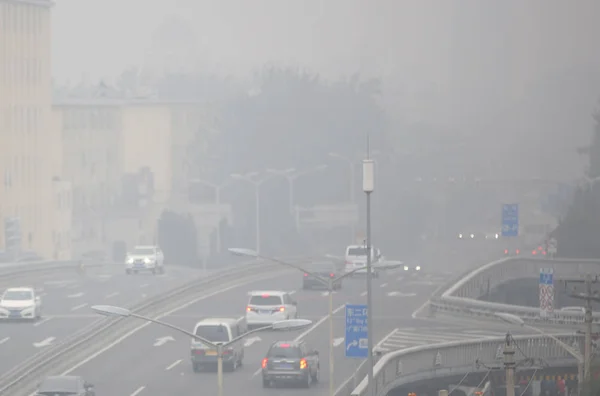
x,y
266,383
306,381
128,271
317,375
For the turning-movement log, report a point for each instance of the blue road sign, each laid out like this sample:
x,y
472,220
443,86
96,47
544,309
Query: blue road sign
x,y
510,220
546,276
357,343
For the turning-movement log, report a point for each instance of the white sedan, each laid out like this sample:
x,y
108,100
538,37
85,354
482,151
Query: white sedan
x,y
20,303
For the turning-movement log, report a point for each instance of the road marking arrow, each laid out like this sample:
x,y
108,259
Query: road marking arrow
x,y
400,294
251,340
338,341
48,341
2,341
163,340
77,295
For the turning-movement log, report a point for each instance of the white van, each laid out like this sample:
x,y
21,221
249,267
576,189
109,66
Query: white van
x,y
356,259
218,331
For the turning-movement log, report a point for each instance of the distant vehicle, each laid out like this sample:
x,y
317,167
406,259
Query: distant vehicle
x,y
511,252
267,307
19,303
488,236
414,267
290,362
324,269
539,251
65,385
145,258
356,259
573,309
218,331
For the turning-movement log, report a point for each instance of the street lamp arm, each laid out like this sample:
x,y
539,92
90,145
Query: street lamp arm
x,y
318,277
176,328
236,339
566,347
350,273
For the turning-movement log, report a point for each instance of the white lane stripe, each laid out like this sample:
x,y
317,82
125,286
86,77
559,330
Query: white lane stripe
x,y
2,341
75,308
175,363
383,285
384,339
144,285
363,294
138,391
41,322
111,295
307,332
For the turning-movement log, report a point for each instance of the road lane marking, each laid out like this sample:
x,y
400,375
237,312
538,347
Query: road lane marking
x,y
138,391
400,278
384,339
76,307
421,308
111,295
363,294
165,314
2,341
41,322
172,365
310,330
76,295
400,294
144,285
338,341
383,285
44,343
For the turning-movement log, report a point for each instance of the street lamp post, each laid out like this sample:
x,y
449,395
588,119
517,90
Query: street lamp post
x,y
217,188
291,324
368,188
249,177
329,283
291,175
581,361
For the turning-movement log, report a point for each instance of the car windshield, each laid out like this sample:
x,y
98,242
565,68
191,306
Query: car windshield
x,y
213,333
142,251
13,295
265,299
357,251
284,352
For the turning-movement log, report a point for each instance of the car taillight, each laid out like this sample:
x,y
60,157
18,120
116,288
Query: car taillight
x,y
302,363
198,351
534,252
505,251
248,309
264,362
227,351
517,251
544,252
281,309
332,275
305,274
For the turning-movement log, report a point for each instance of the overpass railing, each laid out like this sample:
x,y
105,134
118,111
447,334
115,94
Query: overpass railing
x,y
458,358
462,297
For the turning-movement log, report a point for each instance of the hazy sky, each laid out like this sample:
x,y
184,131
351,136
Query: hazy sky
x,y
504,66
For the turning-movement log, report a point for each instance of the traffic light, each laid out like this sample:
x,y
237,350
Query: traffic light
x,y
12,236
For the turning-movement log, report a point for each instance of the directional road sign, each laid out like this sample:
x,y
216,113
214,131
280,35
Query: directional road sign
x,y
357,345
510,220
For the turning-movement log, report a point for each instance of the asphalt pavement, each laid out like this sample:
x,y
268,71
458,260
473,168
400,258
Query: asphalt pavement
x,y
155,360
66,300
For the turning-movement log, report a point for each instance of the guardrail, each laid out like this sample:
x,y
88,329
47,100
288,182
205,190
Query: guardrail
x,y
10,269
462,297
458,358
22,378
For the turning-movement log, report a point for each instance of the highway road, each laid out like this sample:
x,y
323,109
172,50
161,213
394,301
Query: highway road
x,y
155,360
66,297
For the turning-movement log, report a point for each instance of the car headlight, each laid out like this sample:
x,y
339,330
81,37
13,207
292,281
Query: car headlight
x,y
406,268
147,260
418,268
129,261
497,236
472,236
460,236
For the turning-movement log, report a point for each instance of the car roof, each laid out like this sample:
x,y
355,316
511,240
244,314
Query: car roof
x,y
292,344
217,321
268,292
18,289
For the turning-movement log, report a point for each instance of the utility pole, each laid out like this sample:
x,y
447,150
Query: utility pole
x,y
368,188
509,365
588,296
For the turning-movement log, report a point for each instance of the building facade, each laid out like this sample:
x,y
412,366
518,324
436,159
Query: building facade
x,y
30,144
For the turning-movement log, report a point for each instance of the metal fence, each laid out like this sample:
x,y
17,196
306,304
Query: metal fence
x,y
458,358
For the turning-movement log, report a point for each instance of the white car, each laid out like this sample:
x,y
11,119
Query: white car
x,y
145,258
267,307
356,259
20,303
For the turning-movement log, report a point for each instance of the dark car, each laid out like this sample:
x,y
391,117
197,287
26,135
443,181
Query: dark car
x,y
291,362
325,270
65,385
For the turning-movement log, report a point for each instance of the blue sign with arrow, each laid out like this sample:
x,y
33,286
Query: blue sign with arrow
x,y
357,343
510,220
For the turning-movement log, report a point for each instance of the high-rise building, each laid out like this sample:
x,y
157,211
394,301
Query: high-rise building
x,y
30,146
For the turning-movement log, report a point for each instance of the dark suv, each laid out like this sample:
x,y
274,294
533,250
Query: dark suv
x,y
290,362
325,270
